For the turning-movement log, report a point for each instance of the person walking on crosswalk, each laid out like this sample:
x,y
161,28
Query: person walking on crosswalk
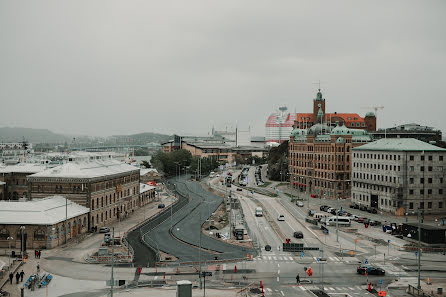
x,y
298,278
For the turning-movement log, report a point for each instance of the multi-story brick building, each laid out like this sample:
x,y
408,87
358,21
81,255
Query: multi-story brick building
x,y
108,187
400,176
320,158
15,178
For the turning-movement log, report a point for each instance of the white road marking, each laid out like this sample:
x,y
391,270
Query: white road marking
x,y
332,289
358,287
291,258
302,288
337,259
278,279
331,258
282,293
351,288
275,258
268,289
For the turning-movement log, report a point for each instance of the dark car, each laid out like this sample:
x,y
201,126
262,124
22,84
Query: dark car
x,y
352,205
161,205
362,207
374,223
239,189
333,211
298,234
322,207
361,220
267,247
311,212
373,210
372,270
356,206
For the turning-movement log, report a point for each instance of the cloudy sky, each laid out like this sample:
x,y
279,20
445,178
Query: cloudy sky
x,y
120,67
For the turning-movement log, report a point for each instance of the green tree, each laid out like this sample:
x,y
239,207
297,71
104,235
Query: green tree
x,y
170,162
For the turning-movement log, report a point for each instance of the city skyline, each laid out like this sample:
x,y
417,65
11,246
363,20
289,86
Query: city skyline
x,y
184,68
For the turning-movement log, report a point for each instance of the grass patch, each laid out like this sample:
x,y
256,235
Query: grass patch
x,y
282,184
266,184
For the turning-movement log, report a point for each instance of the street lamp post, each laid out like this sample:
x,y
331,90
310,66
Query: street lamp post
x,y
337,224
22,244
9,256
419,247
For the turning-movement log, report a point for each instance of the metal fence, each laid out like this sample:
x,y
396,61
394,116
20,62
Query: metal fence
x,y
418,292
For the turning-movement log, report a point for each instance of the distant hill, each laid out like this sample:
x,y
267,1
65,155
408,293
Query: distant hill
x,y
140,138
36,136
14,134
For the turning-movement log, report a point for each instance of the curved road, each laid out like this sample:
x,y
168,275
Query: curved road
x,y
186,224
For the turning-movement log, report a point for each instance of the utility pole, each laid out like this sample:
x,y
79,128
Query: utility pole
x,y
112,261
321,268
66,218
419,247
199,250
337,223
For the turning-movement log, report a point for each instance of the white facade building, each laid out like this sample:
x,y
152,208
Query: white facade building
x,y
400,176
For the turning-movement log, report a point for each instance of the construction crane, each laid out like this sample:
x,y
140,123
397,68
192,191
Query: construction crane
x,y
375,108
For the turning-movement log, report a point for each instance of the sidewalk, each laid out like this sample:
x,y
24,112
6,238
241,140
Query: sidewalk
x,y
68,260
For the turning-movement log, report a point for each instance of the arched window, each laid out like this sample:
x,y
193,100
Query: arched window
x,y
39,235
4,234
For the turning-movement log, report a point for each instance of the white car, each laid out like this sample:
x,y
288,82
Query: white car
x,y
218,175
300,203
281,218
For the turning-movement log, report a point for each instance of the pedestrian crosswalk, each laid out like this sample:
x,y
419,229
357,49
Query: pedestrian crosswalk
x,y
288,258
330,290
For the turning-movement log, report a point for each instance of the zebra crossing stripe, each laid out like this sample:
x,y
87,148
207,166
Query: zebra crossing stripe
x,y
351,288
302,288
332,289
268,289
358,287
274,258
331,258
337,259
291,258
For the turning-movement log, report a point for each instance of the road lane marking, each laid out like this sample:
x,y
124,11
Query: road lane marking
x,y
278,279
337,259
282,293
275,258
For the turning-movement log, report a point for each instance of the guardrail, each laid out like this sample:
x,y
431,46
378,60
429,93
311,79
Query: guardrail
x,y
208,262
108,259
417,292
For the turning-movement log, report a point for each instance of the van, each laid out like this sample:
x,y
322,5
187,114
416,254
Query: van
x,y
259,212
341,221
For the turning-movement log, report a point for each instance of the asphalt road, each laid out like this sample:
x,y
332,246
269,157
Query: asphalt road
x,y
185,224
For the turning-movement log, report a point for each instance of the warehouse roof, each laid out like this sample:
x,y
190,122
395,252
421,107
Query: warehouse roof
x,y
87,169
23,168
144,188
46,211
399,144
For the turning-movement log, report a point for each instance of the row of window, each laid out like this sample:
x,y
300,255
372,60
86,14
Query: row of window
x,y
376,177
422,180
108,198
378,156
376,166
386,189
430,205
422,191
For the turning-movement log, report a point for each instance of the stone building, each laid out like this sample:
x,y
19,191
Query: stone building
x,y
320,158
15,178
423,133
108,187
146,194
43,222
400,176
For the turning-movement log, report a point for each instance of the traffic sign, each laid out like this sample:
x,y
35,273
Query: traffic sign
x,y
318,260
366,261
388,241
206,273
382,293
302,255
416,254
380,281
325,231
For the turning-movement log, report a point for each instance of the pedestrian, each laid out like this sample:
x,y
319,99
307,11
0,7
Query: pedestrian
x,y
11,276
38,267
298,278
35,253
17,277
40,253
22,274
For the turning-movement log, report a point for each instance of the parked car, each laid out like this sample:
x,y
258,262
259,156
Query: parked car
x,y
373,210
361,220
371,269
322,207
161,205
298,234
107,237
281,218
363,208
239,189
104,230
267,247
311,212
352,205
329,209
374,223
300,203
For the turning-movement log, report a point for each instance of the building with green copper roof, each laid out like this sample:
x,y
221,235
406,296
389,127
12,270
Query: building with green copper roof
x,y
399,175
400,144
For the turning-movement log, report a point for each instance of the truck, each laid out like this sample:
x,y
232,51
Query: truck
x,y
259,212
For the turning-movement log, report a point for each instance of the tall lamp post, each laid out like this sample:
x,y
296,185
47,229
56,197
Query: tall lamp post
x,y
22,244
420,216
10,238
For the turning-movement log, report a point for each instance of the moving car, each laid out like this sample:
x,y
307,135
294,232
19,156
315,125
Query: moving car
x,y
371,269
311,212
161,205
259,212
298,234
104,230
239,189
281,218
300,203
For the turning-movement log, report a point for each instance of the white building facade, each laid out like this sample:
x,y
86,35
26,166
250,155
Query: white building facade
x,y
399,176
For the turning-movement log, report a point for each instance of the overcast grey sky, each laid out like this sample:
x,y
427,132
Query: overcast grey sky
x,y
120,67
